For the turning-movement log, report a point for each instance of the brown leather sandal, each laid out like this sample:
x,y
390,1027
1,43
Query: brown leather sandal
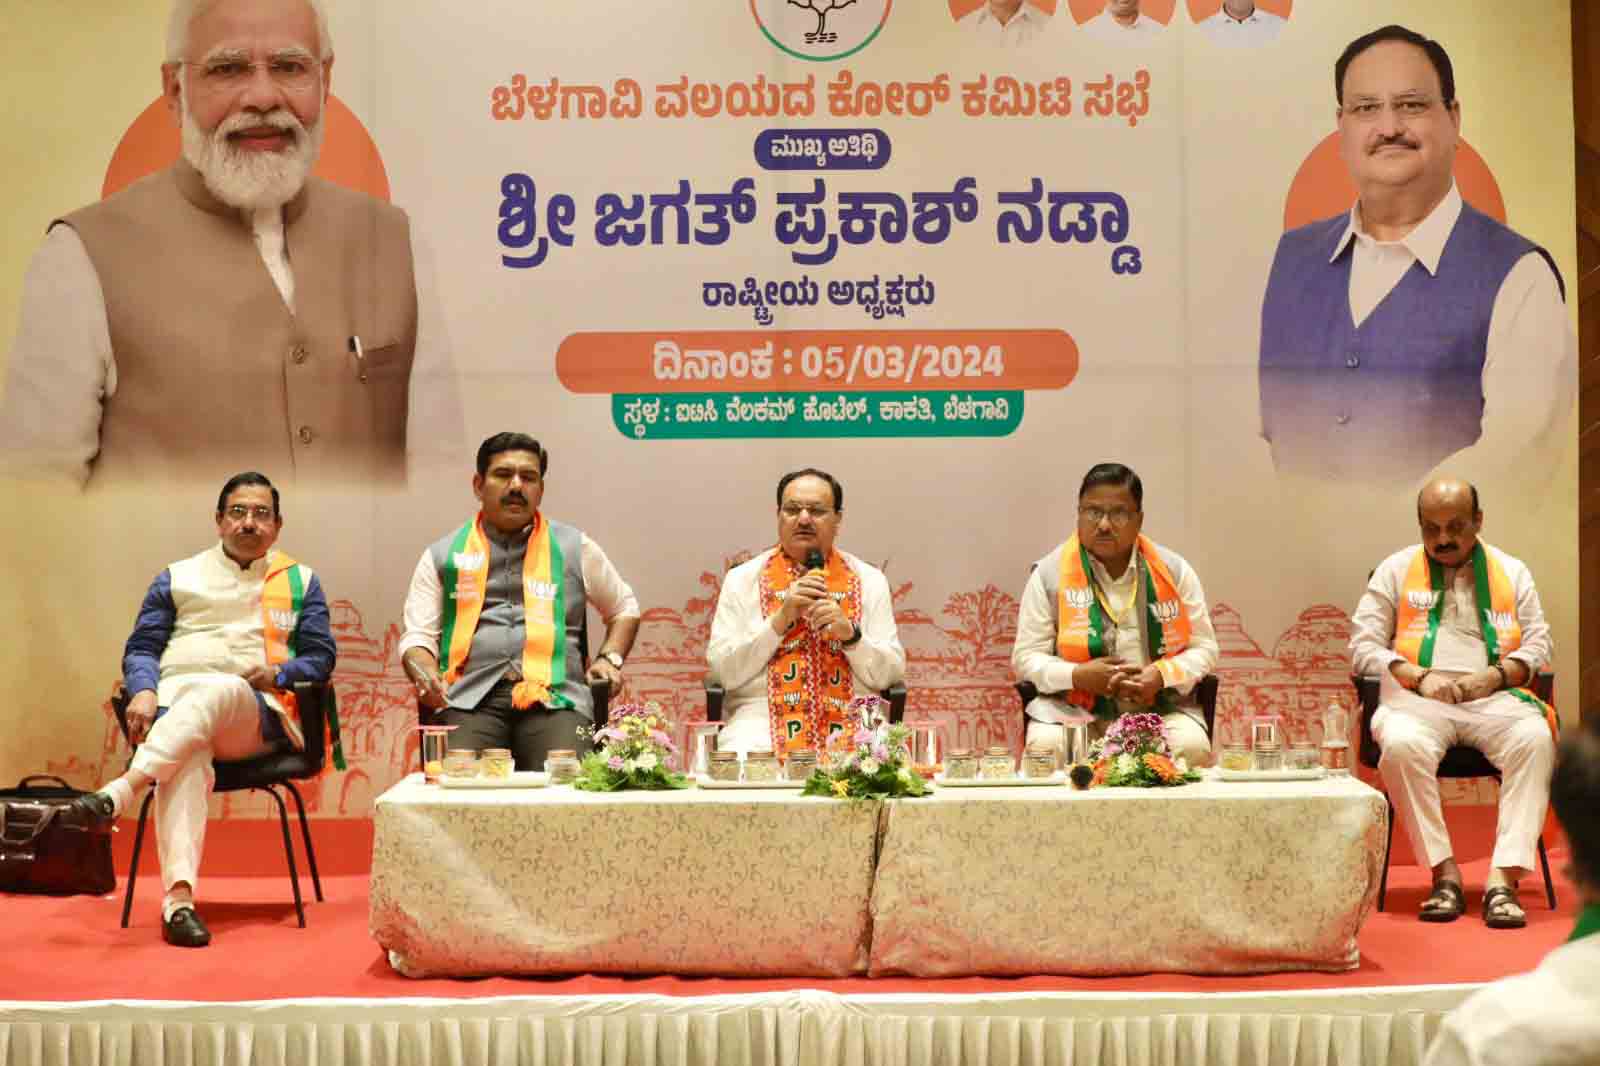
x,y
1446,903
1501,909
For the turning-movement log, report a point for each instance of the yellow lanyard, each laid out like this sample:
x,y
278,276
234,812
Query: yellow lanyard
x,y
1105,600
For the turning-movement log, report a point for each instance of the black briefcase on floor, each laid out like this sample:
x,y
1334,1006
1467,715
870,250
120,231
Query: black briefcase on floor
x,y
46,846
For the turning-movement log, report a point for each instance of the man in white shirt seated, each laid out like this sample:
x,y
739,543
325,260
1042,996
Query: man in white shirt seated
x,y
1453,630
1242,23
802,628
1550,1016
1111,622
1121,20
1011,23
496,612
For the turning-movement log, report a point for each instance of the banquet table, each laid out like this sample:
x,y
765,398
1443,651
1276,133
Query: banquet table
x,y
1215,877
558,881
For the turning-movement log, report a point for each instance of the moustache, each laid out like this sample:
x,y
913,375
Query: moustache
x,y
513,497
1394,142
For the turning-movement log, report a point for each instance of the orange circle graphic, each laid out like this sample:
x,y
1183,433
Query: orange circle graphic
x,y
349,157
1160,10
960,9
1204,9
1322,186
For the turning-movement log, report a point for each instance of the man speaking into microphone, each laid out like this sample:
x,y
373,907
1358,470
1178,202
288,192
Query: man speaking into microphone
x,y
802,628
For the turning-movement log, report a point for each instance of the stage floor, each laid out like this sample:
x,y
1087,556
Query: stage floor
x,y
72,949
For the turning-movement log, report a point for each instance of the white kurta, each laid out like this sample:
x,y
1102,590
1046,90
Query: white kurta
x,y
743,642
1026,25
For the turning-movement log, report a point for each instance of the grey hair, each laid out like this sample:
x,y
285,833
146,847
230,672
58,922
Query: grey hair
x,y
184,12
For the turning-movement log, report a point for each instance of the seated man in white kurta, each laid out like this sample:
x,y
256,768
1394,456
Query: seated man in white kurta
x,y
801,629
1452,628
1111,622
221,640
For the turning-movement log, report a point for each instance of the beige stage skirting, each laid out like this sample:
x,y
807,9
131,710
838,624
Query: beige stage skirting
x,y
1208,878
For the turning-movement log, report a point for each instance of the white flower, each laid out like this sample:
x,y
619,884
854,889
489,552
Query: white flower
x,y
904,774
1182,764
647,761
1126,764
869,765
629,766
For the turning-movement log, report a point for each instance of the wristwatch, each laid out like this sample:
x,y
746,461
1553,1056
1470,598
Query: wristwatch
x,y
612,657
855,635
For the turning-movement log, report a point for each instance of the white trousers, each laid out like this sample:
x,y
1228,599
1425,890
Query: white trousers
x,y
1414,734
213,716
1186,736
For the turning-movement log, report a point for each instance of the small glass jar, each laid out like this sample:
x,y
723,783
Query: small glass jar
x,y
1336,757
562,764
997,763
1268,758
960,765
1304,756
723,766
1039,760
1234,757
760,766
460,763
496,762
802,762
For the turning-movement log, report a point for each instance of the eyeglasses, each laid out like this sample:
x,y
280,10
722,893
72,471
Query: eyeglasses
x,y
1118,516
1368,109
292,73
792,511
239,512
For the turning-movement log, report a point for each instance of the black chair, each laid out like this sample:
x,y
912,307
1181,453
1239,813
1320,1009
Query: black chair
x,y
1460,761
266,773
895,695
1205,693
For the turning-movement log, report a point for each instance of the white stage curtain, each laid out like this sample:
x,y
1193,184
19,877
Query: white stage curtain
x,y
1364,1027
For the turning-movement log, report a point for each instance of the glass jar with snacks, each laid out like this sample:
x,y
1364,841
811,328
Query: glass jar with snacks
x,y
1265,758
960,765
997,763
1234,757
562,764
802,762
1304,756
1039,760
723,766
760,766
496,762
459,763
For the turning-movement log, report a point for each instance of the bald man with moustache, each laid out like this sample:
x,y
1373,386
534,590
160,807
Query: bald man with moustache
x,y
1453,630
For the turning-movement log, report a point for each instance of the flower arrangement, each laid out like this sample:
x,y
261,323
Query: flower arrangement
x,y
636,752
1136,753
869,761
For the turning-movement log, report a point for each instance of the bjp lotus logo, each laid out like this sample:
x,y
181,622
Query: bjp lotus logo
x,y
821,30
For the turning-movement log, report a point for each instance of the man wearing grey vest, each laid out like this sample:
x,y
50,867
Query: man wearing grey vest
x,y
1412,328
495,617
230,310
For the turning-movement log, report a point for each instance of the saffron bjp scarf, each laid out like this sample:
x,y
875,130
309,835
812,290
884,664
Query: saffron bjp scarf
x,y
809,683
283,595
1083,623
544,648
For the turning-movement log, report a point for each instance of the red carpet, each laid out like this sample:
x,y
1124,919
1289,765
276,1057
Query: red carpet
x,y
73,949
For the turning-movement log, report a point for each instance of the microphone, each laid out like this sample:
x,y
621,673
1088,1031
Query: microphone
x,y
814,559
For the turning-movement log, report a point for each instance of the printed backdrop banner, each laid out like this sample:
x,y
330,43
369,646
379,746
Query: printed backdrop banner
x,y
692,246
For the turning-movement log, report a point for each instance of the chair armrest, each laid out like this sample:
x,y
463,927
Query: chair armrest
x,y
600,698
895,694
714,694
1367,695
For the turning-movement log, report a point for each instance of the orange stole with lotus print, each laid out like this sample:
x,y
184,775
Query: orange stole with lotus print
x,y
809,684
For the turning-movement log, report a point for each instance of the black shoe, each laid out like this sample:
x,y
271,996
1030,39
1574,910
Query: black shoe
x,y
185,929
95,808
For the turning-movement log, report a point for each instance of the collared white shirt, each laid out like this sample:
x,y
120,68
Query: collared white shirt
x,y
1530,360
62,368
1258,27
1107,28
423,614
1547,1017
743,643
1459,647
1034,656
1026,25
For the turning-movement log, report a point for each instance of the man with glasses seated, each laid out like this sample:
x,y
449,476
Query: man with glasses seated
x,y
495,617
1111,623
802,628
221,640
232,298
1453,630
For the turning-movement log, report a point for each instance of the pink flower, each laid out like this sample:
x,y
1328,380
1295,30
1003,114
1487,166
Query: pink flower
x,y
615,762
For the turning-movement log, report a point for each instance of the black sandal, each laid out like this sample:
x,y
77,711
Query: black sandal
x,y
1501,909
1445,904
